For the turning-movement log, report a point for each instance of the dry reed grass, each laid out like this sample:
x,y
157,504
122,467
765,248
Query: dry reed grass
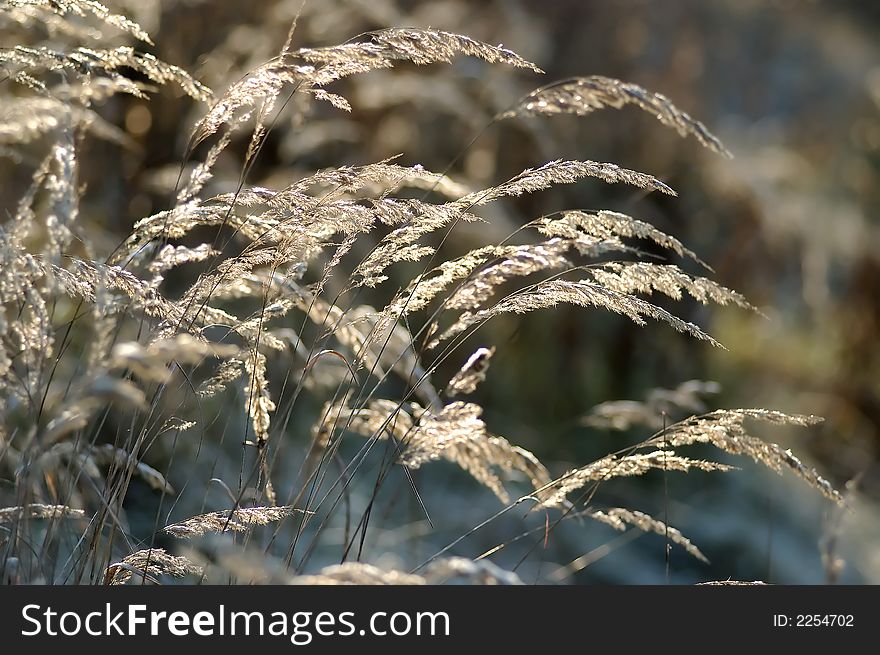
x,y
140,341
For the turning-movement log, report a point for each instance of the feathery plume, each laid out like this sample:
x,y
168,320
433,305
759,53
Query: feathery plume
x,y
437,572
23,120
614,467
583,95
560,171
549,293
228,371
618,518
357,573
473,572
80,8
238,520
470,375
419,46
606,225
424,288
668,279
39,511
86,60
725,429
151,561
259,403
456,433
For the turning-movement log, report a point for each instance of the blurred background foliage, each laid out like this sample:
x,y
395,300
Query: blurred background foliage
x,y
793,90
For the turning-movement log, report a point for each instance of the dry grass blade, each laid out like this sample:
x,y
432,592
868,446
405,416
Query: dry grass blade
x,y
151,561
238,520
583,95
618,518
